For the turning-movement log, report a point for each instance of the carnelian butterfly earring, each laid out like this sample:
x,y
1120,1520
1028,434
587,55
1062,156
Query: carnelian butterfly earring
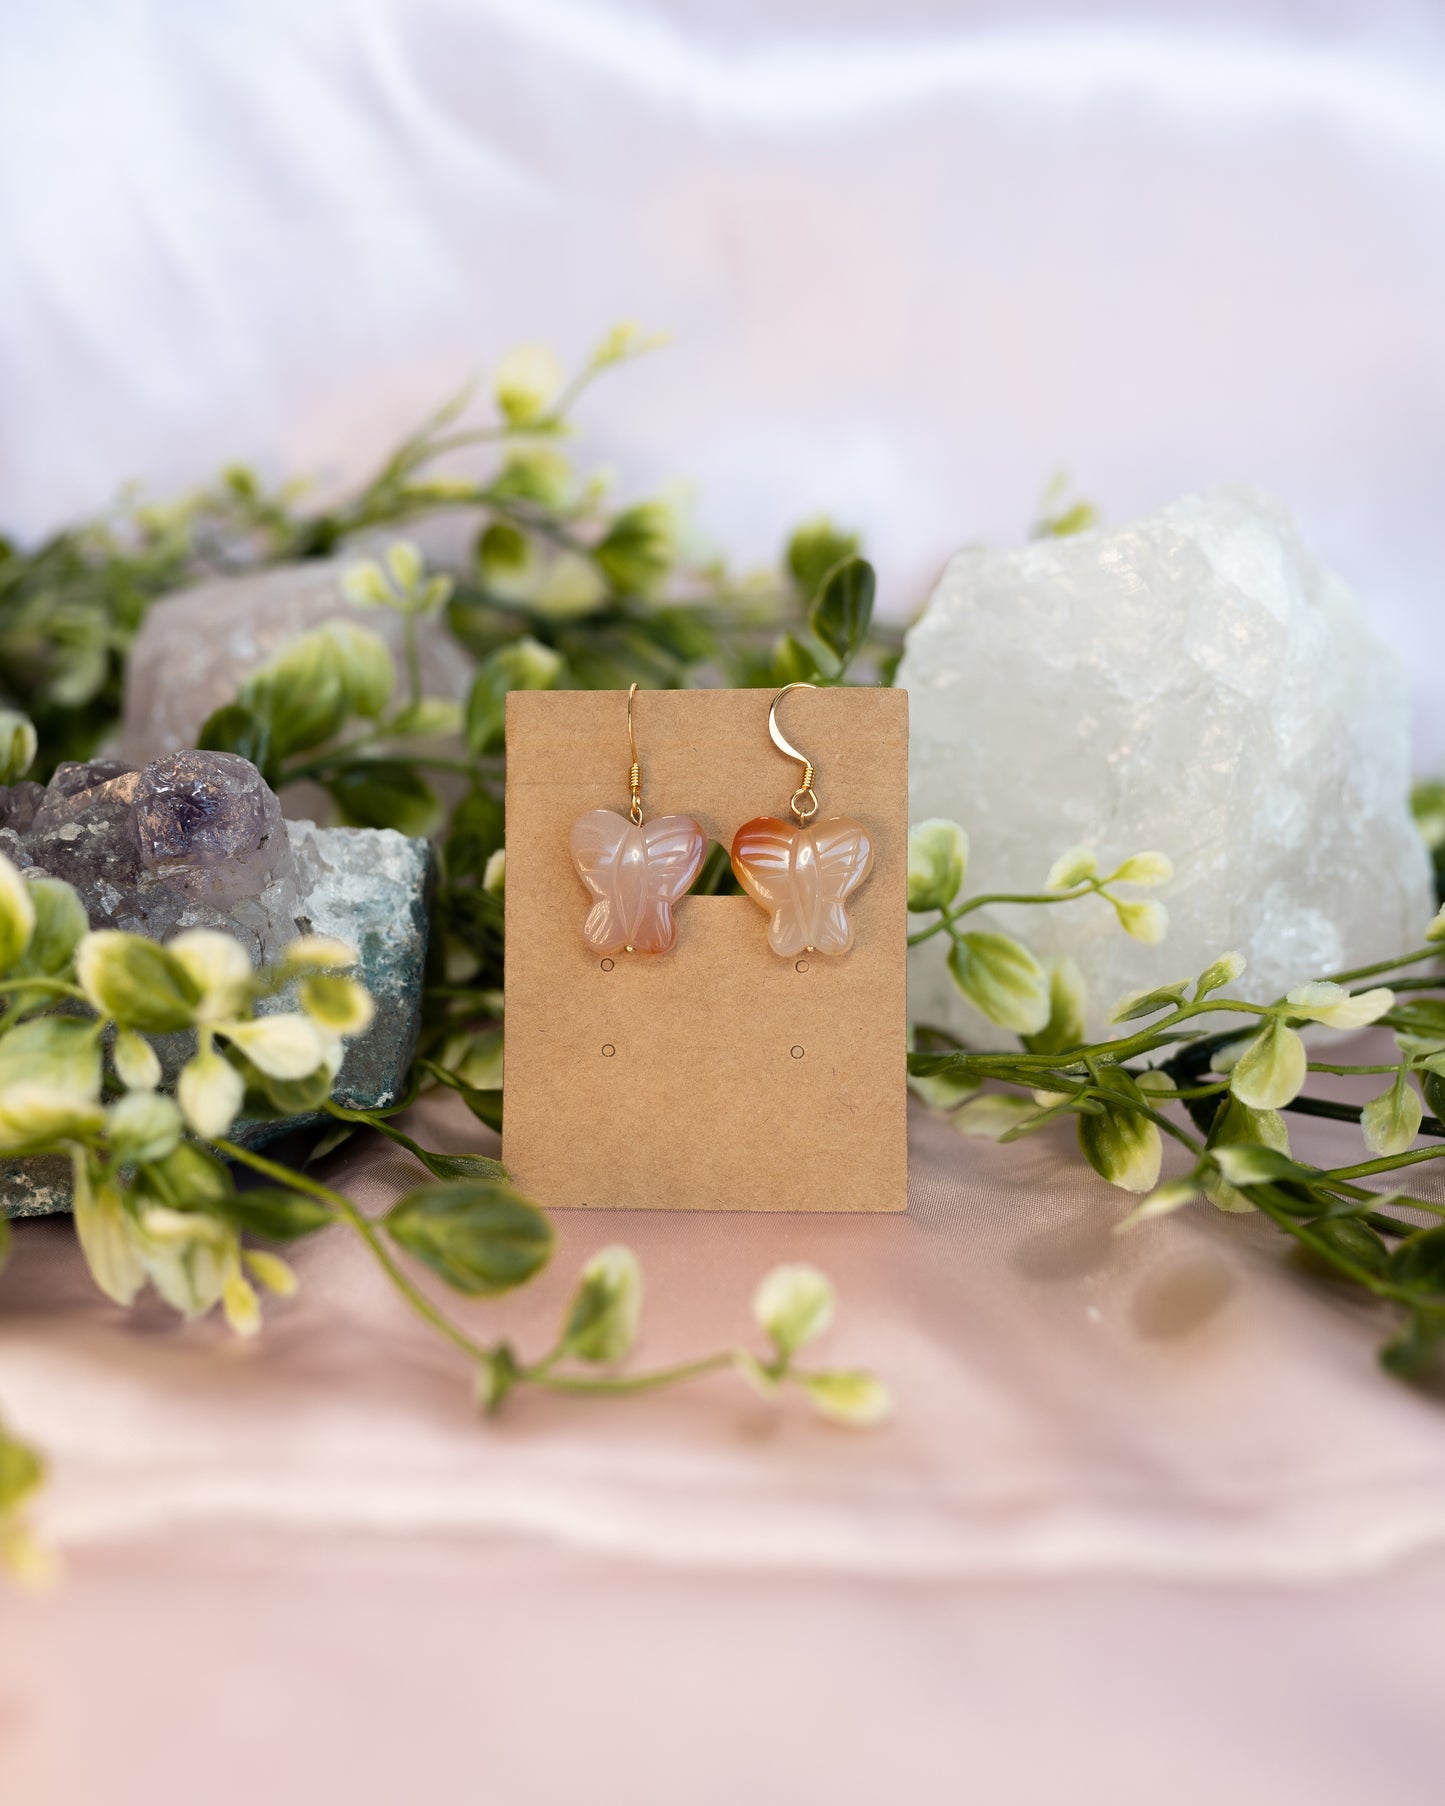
x,y
802,874
635,872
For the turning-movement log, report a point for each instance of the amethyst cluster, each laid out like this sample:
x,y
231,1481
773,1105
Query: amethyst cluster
x,y
193,840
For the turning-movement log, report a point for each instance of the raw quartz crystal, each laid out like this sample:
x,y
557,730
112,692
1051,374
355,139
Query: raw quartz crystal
x,y
196,647
193,840
1192,683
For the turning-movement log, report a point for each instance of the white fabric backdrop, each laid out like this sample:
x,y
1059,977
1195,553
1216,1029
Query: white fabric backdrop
x,y
916,255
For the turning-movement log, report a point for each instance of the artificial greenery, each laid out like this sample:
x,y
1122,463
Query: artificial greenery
x,y
154,1194
1233,1087
561,588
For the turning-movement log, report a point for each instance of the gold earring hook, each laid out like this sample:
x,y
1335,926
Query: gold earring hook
x,y
804,800
634,776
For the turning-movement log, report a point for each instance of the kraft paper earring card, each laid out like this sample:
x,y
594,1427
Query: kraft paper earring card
x,y
721,1076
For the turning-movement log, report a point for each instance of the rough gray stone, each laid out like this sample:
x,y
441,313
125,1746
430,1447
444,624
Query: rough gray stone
x,y
364,885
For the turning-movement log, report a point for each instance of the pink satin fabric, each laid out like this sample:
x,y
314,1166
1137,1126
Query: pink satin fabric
x,y
1100,1442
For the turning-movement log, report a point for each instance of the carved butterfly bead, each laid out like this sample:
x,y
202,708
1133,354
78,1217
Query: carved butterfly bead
x,y
635,875
803,875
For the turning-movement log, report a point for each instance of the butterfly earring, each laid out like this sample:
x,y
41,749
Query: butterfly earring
x,y
635,871
803,875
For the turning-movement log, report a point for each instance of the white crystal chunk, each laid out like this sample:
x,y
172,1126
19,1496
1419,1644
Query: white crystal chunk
x,y
1192,683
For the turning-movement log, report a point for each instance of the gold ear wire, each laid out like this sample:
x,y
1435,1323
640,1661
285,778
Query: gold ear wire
x,y
804,800
634,776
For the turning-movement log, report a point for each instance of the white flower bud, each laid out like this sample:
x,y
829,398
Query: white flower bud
x,y
1071,868
793,1304
1147,922
528,380
937,860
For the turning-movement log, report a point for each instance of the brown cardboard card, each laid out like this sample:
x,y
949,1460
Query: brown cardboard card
x,y
717,1076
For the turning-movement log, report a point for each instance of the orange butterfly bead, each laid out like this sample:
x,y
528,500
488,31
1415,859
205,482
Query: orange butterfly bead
x,y
803,875
636,874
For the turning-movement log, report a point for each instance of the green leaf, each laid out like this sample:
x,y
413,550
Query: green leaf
x,y
1414,1351
40,1119
340,1005
937,860
1355,1242
535,473
638,549
999,1116
1173,1195
476,830
276,1215
62,1052
484,1102
1165,997
1245,1163
792,663
385,793
17,915
793,1304
406,564
525,664
428,719
461,1166
842,611
142,1125
1068,1001
104,1229
1392,1121
187,1179
60,921
682,632
601,1323
503,553
1120,1143
21,1472
308,690
17,745
241,730
1419,1261
1234,1125
482,1238
1002,979
1271,1071
815,549
135,981
848,1396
